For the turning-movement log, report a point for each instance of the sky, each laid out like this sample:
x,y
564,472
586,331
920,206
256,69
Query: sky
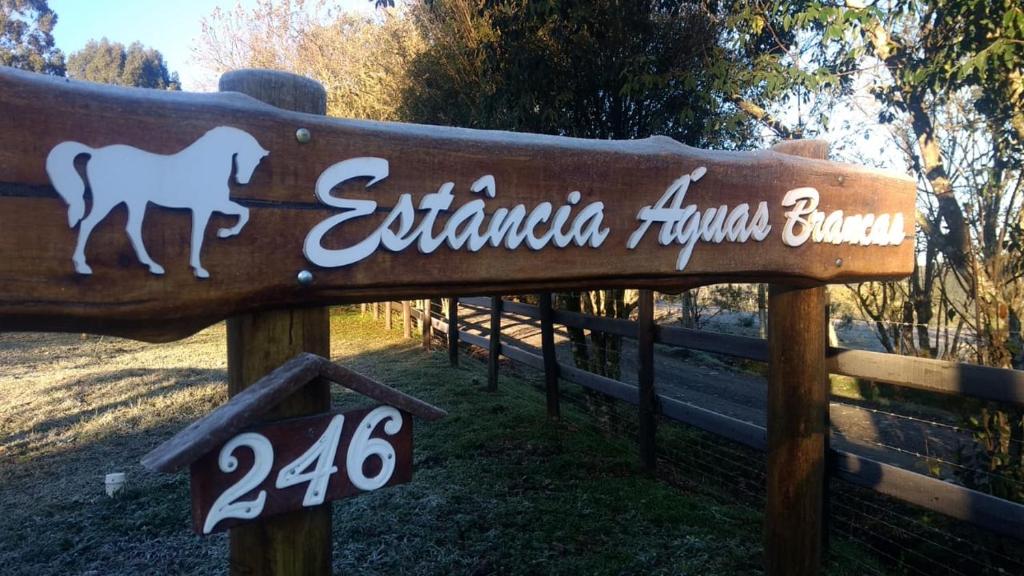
x,y
170,26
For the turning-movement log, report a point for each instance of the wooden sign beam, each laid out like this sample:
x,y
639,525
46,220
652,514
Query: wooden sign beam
x,y
153,214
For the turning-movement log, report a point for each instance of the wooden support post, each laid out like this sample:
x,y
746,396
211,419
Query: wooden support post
x,y
495,345
426,326
648,399
387,315
797,416
296,542
376,311
826,492
453,331
362,308
406,319
547,344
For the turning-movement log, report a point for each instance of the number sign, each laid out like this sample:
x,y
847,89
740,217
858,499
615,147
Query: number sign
x,y
292,464
151,214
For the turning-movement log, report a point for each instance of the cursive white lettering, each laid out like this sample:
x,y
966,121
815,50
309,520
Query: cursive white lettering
x,y
805,222
686,225
469,227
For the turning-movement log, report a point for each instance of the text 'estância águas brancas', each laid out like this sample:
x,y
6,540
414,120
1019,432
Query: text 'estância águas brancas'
x,y
471,227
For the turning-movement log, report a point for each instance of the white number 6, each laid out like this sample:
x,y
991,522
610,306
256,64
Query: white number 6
x,y
363,447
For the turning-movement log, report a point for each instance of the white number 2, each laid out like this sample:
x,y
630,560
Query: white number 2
x,y
228,505
322,453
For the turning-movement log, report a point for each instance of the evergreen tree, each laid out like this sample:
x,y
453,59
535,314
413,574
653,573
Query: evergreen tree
x,y
26,37
113,63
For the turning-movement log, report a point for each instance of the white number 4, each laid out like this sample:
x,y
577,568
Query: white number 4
x,y
321,453
316,465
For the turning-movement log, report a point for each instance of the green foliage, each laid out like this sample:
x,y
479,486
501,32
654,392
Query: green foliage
x,y
114,63
779,63
939,48
998,468
26,37
604,69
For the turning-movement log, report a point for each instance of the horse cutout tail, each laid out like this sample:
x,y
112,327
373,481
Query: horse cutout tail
x,y
60,166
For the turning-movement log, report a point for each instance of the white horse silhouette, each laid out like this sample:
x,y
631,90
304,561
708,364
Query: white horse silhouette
x,y
195,178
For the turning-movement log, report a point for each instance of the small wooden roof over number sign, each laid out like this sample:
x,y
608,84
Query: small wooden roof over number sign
x,y
244,409
291,209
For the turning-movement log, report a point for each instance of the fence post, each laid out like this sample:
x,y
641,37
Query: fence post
x,y
762,310
376,311
495,344
826,490
406,319
387,315
797,415
426,327
547,341
296,542
648,400
362,309
453,331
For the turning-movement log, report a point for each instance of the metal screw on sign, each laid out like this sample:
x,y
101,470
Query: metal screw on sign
x,y
839,262
305,278
303,135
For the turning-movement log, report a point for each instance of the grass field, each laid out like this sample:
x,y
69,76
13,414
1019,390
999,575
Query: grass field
x,y
498,488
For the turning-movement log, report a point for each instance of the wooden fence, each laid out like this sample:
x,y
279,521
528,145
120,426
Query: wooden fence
x,y
968,380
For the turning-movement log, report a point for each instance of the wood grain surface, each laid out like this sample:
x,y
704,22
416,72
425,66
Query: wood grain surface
x,y
257,269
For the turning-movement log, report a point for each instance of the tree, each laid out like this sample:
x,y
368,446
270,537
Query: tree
x,y
113,63
26,37
947,78
361,61
604,69
953,77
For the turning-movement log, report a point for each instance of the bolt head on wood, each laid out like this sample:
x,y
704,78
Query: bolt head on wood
x,y
305,278
303,135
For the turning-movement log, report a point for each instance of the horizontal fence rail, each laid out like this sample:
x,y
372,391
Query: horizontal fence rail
x,y
990,512
942,376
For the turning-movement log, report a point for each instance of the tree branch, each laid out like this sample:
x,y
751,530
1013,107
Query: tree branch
x,y
763,116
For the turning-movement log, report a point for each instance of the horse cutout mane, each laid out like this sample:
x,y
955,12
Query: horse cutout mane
x,y
196,178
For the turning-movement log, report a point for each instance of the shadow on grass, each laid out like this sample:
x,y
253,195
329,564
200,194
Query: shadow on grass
x,y
150,385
